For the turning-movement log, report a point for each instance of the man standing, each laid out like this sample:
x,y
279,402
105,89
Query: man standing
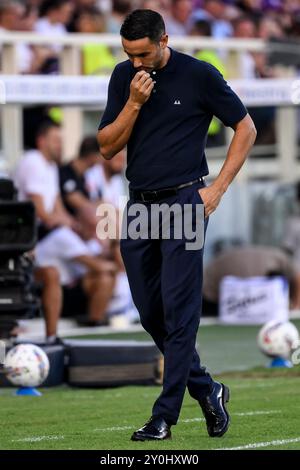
x,y
160,105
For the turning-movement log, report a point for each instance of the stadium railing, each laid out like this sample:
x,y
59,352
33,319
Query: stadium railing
x,y
77,94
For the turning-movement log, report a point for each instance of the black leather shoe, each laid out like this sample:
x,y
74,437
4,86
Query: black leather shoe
x,y
155,429
214,410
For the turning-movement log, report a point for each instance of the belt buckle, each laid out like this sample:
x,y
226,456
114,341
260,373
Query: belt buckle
x,y
148,192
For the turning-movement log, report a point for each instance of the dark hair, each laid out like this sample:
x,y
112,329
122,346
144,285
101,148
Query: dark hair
x,y
49,5
88,146
143,24
242,19
91,11
45,128
121,6
202,27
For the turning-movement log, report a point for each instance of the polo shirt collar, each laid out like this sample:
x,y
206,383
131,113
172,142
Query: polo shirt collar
x,y
170,65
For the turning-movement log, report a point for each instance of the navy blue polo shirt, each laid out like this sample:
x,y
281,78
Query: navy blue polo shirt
x,y
167,144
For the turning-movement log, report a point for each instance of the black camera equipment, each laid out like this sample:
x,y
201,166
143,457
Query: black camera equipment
x,y
18,234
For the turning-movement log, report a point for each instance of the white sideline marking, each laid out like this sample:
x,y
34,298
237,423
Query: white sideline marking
x,y
117,428
190,420
262,444
254,413
258,385
265,385
38,439
247,413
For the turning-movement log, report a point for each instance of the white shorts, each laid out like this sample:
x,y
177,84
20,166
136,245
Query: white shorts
x,y
58,249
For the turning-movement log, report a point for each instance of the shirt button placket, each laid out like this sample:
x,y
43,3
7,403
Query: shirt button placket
x,y
154,81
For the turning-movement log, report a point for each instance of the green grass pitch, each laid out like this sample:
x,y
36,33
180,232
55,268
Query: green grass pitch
x,y
264,407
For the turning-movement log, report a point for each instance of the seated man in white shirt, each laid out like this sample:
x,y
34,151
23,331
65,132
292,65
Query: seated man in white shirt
x,y
83,183
55,15
73,188
105,180
59,245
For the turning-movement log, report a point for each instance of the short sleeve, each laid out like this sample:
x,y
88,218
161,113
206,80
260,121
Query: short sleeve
x,y
115,102
33,182
68,183
94,182
221,100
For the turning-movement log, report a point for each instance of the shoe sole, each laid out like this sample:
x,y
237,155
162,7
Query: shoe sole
x,y
225,399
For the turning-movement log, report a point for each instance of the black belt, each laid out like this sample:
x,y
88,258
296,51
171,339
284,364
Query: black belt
x,y
152,196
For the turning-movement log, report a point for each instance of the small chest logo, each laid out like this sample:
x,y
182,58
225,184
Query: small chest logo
x,y
177,102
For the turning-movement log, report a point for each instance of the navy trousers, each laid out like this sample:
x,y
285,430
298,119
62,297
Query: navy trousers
x,y
166,285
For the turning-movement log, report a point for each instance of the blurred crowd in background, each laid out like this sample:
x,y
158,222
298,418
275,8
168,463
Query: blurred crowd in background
x,y
220,19
269,20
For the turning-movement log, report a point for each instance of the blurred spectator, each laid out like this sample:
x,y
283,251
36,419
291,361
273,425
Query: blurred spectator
x,y
34,59
72,175
12,19
105,6
90,20
43,180
82,4
203,28
74,188
106,180
295,26
48,278
120,9
291,238
28,18
221,26
254,65
269,28
161,6
214,11
253,8
292,6
245,28
33,3
248,261
54,16
178,20
79,6
81,272
11,12
96,58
